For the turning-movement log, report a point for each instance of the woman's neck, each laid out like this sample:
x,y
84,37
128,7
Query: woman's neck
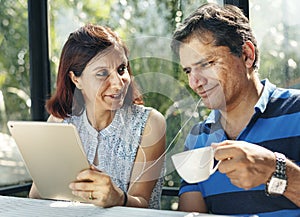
x,y
100,119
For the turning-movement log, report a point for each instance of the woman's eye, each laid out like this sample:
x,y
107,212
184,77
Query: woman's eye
x,y
103,73
121,70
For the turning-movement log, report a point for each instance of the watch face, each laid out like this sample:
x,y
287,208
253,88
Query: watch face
x,y
276,186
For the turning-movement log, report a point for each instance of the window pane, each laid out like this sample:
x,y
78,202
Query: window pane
x,y
14,86
276,24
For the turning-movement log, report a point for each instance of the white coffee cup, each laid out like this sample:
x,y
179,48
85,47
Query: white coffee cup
x,y
195,165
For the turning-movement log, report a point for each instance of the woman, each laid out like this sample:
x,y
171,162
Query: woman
x,y
123,140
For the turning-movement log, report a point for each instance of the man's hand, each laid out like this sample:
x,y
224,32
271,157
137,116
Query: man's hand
x,y
246,165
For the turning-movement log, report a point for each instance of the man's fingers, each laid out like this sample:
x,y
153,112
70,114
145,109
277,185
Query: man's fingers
x,y
226,166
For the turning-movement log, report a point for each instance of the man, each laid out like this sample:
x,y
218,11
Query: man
x,y
253,126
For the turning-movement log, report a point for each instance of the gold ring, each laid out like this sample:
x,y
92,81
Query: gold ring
x,y
91,196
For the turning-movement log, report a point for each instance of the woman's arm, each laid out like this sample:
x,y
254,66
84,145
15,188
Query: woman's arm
x,y
149,161
33,193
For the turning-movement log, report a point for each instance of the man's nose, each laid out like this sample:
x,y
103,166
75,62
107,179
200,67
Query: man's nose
x,y
196,80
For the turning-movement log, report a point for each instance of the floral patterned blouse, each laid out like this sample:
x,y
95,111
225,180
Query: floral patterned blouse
x,y
113,149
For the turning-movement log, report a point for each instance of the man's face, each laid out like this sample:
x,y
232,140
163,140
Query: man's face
x,y
214,73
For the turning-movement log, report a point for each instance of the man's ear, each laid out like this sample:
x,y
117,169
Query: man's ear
x,y
75,79
248,53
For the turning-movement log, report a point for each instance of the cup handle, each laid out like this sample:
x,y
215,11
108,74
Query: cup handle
x,y
215,168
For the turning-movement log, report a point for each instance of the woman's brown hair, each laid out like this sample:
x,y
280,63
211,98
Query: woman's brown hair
x,y
81,46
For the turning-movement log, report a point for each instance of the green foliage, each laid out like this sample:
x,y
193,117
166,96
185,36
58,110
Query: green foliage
x,y
279,56
14,62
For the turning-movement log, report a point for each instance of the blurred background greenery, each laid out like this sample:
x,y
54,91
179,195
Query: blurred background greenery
x,y
146,26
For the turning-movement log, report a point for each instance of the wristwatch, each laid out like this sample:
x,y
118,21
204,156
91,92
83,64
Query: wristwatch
x,y
277,184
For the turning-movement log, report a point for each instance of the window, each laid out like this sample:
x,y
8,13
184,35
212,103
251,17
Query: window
x,y
276,26
146,26
14,86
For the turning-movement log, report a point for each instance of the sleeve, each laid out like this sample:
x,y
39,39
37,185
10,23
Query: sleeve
x,y
186,187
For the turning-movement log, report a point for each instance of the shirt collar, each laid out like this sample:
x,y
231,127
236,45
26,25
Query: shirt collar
x,y
268,90
115,124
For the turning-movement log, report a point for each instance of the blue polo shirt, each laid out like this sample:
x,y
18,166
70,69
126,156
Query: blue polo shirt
x,y
275,125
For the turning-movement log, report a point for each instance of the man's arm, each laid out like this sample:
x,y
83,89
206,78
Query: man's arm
x,y
293,187
192,202
248,165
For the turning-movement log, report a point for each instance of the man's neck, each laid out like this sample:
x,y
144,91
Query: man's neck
x,y
236,116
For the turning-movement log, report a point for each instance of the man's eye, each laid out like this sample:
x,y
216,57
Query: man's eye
x,y
207,64
122,69
102,73
186,70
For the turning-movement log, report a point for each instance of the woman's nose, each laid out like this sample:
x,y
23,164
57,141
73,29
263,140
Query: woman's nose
x,y
115,79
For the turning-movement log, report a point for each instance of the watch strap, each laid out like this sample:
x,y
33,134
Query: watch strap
x,y
277,183
280,171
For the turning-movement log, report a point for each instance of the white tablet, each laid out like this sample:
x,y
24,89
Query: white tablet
x,y
53,155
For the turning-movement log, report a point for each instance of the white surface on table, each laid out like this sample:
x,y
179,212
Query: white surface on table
x,y
26,207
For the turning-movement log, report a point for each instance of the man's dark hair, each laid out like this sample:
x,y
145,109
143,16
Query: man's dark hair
x,y
228,26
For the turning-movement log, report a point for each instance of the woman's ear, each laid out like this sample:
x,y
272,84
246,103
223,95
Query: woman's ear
x,y
249,54
75,80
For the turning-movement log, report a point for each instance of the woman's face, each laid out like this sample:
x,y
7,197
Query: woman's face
x,y
104,81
